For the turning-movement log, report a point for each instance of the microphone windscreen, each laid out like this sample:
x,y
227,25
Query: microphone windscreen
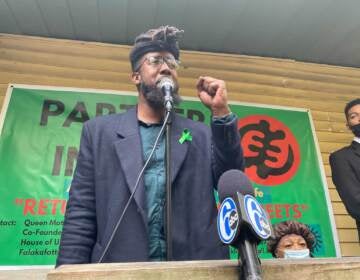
x,y
233,181
165,83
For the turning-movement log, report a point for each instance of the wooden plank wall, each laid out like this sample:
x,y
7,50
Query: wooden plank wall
x,y
321,88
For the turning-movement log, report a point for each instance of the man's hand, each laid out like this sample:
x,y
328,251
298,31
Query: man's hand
x,y
212,93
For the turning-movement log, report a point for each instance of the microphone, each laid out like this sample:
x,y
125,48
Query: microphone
x,y
241,221
166,85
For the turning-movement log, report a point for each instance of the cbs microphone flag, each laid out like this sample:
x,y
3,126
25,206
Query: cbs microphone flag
x,y
39,136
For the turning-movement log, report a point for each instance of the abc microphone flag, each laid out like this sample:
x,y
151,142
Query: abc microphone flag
x,y
239,208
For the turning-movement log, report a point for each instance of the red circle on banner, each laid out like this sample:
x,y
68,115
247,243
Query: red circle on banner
x,y
271,151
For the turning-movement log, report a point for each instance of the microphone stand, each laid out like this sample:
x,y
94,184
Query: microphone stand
x,y
249,261
168,110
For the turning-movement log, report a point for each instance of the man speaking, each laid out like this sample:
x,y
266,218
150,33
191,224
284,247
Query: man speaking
x,y
98,226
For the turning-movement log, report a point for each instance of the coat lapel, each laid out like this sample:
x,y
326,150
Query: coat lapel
x,y
178,151
129,151
356,147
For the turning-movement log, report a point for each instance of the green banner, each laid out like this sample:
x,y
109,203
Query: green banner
x,y
40,130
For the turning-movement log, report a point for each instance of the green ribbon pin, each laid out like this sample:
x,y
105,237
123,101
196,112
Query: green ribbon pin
x,y
185,136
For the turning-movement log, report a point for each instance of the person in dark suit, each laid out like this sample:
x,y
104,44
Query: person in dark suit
x,y
113,150
345,164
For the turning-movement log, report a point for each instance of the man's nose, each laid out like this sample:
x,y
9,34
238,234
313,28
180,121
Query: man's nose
x,y
165,69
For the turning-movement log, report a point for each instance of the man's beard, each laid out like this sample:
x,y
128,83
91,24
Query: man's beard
x,y
155,98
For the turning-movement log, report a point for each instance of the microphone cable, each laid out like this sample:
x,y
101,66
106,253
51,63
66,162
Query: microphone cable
x,y
135,188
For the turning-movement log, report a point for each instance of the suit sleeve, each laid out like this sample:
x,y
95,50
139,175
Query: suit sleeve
x,y
79,231
347,184
227,151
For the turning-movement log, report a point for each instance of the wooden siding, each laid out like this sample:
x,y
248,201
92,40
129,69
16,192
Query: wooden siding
x,y
321,88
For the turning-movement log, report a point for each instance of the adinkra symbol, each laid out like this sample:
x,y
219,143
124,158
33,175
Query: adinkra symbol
x,y
263,171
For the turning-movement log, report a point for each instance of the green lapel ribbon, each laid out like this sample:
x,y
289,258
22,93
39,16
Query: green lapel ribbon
x,y
185,136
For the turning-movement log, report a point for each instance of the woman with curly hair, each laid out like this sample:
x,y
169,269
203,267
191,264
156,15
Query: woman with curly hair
x,y
291,239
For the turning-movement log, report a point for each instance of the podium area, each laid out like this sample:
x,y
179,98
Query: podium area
x,y
319,269
347,268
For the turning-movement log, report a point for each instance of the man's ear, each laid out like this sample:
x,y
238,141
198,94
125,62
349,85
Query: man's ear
x,y
136,78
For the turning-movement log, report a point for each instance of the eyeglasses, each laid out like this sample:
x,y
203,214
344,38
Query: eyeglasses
x,y
158,60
